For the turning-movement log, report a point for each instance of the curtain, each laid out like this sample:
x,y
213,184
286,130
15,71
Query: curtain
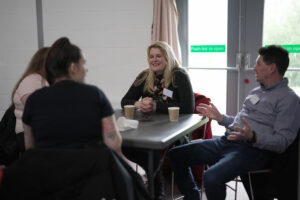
x,y
165,23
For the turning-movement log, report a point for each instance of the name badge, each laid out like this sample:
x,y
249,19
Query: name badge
x,y
254,99
168,93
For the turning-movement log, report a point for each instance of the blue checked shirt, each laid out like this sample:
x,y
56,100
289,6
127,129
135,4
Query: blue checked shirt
x,y
273,113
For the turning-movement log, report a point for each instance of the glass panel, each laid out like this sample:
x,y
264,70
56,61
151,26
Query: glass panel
x,y
294,80
207,33
207,49
204,82
281,27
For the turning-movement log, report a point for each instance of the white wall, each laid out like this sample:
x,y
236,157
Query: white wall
x,y
18,42
113,35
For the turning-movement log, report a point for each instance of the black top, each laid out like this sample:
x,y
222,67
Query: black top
x,y
183,96
66,114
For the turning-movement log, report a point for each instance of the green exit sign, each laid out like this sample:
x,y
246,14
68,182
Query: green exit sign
x,y
291,48
207,48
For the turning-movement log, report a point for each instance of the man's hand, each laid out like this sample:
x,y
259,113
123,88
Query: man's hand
x,y
244,133
209,111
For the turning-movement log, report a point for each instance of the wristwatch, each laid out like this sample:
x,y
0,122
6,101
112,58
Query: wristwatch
x,y
253,139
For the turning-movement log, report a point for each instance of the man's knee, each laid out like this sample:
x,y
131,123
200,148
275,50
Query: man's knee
x,y
176,156
210,179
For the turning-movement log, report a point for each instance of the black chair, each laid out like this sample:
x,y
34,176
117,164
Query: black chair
x,y
88,173
280,181
11,145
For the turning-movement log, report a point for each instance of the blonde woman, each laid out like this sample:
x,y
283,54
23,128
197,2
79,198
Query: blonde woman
x,y
163,84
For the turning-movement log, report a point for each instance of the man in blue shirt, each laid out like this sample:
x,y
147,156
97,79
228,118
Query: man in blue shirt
x,y
266,125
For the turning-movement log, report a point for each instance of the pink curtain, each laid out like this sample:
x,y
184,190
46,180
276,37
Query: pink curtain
x,y
165,23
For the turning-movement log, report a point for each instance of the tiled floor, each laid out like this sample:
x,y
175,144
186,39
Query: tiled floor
x,y
241,194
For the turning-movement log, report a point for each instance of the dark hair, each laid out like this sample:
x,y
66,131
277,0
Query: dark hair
x,y
62,53
275,54
36,65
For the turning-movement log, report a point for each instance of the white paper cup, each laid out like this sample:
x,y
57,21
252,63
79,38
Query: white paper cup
x,y
129,111
173,113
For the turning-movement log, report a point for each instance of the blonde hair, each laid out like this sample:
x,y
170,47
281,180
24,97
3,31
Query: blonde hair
x,y
36,65
168,75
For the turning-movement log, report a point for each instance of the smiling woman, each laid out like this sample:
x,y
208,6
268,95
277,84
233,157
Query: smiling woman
x,y
157,61
164,84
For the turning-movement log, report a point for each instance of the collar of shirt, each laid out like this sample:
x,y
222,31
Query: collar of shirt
x,y
282,83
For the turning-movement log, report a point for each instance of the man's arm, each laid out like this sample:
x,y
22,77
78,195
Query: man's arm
x,y
285,127
210,111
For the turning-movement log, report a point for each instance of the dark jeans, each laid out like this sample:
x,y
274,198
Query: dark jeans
x,y
228,159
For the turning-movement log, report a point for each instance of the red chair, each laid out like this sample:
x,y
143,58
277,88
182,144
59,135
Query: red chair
x,y
203,132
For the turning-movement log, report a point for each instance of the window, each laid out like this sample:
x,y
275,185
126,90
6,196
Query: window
x,y
220,39
282,27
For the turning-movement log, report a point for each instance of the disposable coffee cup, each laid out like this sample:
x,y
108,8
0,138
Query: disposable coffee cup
x,y
173,113
129,111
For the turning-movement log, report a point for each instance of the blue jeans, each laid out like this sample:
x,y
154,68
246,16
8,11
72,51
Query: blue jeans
x,y
229,159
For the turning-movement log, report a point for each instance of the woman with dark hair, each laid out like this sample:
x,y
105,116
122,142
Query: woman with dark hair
x,y
64,125
69,113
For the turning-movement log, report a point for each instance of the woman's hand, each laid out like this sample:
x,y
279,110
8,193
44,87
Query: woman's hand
x,y
147,105
138,104
210,111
